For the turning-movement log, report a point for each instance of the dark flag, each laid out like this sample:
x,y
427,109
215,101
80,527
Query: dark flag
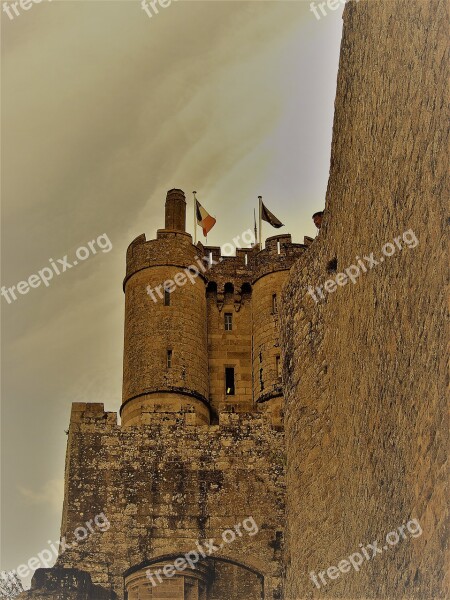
x,y
268,217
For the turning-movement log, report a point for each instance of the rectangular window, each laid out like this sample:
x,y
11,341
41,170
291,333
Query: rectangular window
x,y
278,366
228,321
274,304
166,297
229,381
169,359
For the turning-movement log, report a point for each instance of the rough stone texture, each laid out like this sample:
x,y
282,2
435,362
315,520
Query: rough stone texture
x,y
366,424
166,485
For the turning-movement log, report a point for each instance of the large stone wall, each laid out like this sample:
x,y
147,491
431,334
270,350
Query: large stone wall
x,y
366,422
165,486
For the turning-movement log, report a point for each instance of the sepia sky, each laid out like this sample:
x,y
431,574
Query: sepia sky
x,y
103,111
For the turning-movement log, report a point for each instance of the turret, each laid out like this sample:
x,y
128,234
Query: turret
x,y
271,268
165,349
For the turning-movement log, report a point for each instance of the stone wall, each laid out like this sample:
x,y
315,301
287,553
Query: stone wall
x,y
366,422
165,486
230,349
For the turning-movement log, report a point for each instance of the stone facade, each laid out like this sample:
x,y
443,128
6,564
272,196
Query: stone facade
x,y
199,451
364,370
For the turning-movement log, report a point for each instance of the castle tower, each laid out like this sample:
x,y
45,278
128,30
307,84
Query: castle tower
x,y
271,269
165,367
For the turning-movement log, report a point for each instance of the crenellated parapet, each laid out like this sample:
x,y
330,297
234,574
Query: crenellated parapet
x,y
279,254
169,249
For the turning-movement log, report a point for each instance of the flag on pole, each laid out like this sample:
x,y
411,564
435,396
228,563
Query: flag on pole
x,y
270,218
204,219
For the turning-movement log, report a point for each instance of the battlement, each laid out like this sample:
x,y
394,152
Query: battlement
x,y
169,248
279,254
175,249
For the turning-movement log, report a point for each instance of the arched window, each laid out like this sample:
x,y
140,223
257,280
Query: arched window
x,y
246,290
211,288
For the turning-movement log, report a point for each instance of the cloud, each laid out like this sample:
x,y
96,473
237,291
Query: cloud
x,y
51,493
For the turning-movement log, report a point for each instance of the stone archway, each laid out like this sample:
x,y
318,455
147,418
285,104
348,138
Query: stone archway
x,y
210,579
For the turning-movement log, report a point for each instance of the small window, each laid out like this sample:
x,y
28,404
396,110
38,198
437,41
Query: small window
x,y
274,304
261,381
169,359
228,321
166,297
229,381
278,366
332,266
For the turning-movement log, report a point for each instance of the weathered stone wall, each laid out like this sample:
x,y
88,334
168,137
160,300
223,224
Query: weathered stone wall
x,y
270,270
166,485
230,349
366,424
266,335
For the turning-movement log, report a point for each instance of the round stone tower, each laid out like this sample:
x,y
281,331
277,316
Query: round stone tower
x,y
165,367
271,269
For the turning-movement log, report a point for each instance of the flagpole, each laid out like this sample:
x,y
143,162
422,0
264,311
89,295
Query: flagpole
x,y
195,219
260,222
256,229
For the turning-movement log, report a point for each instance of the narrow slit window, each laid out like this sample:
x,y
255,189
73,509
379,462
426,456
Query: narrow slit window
x,y
274,304
166,297
169,359
261,381
229,381
228,321
278,366
278,247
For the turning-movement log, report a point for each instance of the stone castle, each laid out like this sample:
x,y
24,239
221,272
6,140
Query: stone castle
x,y
361,392
200,445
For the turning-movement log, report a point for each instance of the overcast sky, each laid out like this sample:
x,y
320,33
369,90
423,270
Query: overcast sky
x,y
103,110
